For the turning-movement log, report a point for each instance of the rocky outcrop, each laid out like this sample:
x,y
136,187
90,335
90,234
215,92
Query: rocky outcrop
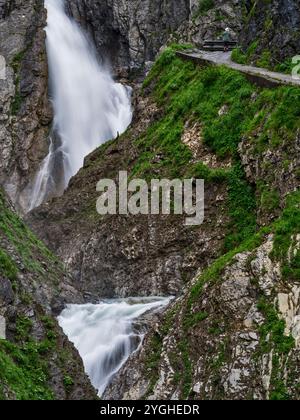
x,y
273,25
37,361
208,20
130,33
25,110
277,184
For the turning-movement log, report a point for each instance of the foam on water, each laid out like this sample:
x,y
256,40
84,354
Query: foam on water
x,y
104,334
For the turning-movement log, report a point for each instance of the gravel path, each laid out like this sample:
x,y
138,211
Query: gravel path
x,y
225,59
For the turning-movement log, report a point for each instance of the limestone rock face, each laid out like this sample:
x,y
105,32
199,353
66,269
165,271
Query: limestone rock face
x,y
130,32
25,110
210,23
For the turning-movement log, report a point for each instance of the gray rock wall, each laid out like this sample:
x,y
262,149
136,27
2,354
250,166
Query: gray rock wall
x,y
275,24
25,109
130,32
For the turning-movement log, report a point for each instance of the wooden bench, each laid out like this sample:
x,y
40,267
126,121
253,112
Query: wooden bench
x,y
218,45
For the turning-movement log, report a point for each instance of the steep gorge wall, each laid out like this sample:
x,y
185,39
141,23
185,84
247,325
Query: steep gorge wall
x,y
130,33
26,112
274,25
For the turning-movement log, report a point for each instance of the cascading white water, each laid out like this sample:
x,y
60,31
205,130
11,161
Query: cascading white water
x,y
89,107
104,334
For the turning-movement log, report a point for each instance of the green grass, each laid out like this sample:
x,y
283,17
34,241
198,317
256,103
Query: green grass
x,y
283,229
8,267
24,371
270,200
190,93
264,60
271,332
273,338
285,233
25,244
286,66
24,362
238,56
185,93
241,57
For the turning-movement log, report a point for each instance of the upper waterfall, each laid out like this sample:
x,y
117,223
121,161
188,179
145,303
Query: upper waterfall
x,y
89,106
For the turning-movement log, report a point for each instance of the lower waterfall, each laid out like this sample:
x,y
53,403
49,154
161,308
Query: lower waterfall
x,y
104,334
89,106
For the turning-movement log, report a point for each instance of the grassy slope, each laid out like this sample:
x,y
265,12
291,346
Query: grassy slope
x,y
188,92
24,362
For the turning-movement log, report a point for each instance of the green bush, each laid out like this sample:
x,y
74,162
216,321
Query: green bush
x,y
205,6
265,60
238,56
7,266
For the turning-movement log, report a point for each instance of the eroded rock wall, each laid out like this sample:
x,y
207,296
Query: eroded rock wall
x,y
130,32
26,112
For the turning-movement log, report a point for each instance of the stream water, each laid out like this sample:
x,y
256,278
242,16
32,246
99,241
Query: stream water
x,y
105,335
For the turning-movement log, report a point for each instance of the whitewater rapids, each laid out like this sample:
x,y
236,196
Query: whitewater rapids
x,y
104,334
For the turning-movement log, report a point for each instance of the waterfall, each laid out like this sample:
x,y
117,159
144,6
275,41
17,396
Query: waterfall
x,y
89,107
104,334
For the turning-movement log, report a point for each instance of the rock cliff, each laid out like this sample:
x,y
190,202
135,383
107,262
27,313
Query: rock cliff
x,y
270,31
130,33
25,109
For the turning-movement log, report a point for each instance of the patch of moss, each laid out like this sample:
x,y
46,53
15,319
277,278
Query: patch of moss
x,y
68,383
286,66
285,233
25,244
23,371
265,60
270,200
23,328
204,7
